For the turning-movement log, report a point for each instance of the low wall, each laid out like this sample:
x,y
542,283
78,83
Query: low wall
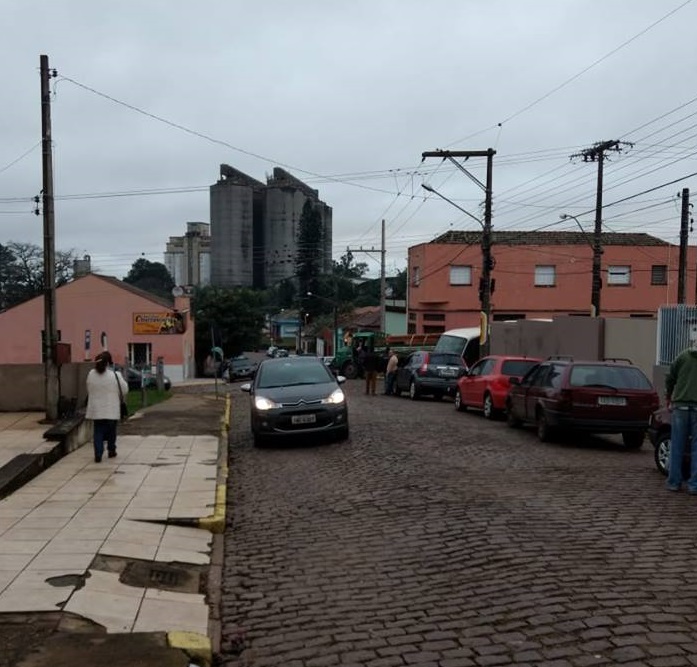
x,y
22,385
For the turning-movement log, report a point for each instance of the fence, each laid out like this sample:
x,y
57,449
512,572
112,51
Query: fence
x,y
677,330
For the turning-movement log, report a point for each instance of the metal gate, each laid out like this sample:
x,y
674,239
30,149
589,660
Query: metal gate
x,y
677,330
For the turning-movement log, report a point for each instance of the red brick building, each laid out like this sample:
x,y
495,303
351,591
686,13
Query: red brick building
x,y
539,275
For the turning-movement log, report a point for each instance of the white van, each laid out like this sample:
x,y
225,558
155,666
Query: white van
x,y
464,342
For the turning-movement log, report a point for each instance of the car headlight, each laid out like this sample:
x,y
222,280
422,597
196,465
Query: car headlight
x,y
262,403
335,398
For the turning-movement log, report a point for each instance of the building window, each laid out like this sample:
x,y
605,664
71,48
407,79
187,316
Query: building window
x,y
415,276
434,329
412,317
411,328
460,275
659,274
508,317
434,317
619,275
545,276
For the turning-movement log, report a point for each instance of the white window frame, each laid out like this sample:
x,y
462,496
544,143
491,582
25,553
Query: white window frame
x,y
465,272
620,274
545,275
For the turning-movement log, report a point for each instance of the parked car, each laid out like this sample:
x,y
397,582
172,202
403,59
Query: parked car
x,y
592,396
296,396
429,373
659,435
240,368
134,378
486,385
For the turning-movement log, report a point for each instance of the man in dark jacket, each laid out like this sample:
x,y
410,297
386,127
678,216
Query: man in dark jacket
x,y
681,398
370,362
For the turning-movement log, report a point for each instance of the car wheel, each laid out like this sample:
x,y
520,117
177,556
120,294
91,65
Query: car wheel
x,y
544,430
413,391
489,411
633,439
661,453
511,419
259,440
459,405
342,434
350,370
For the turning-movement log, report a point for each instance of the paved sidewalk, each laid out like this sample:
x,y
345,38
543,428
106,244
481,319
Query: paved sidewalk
x,y
63,535
21,433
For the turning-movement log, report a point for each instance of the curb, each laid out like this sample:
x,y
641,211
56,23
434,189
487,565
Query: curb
x,y
196,646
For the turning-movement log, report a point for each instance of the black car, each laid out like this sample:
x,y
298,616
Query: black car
x,y
240,368
296,396
432,373
659,434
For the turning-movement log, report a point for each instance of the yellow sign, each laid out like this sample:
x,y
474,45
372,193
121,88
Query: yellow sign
x,y
167,322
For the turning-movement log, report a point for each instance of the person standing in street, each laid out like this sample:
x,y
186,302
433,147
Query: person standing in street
x,y
370,371
105,390
681,399
391,371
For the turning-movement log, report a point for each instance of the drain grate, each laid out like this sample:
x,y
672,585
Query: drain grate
x,y
165,577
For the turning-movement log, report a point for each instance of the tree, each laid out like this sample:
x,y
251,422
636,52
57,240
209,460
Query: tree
x,y
229,318
308,262
22,271
152,277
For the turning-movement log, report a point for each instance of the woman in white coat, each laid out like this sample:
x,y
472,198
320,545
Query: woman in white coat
x,y
105,387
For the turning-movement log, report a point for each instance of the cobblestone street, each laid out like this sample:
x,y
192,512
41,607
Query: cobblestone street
x,y
442,539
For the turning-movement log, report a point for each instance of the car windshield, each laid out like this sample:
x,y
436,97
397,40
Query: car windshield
x,y
240,361
517,366
451,359
451,345
292,373
617,377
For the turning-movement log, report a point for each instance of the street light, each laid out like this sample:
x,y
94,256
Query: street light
x,y
596,282
336,318
485,283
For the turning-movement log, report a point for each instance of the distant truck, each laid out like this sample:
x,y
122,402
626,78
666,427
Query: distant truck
x,y
346,359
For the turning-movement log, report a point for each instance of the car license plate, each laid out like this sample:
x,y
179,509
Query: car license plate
x,y
612,400
303,419
448,372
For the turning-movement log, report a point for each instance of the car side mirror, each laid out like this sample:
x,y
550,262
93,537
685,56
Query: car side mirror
x,y
340,379
247,387
513,380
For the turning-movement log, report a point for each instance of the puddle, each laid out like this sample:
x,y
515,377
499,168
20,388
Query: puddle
x,y
76,581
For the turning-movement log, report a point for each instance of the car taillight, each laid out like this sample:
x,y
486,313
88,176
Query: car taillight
x,y
423,369
655,403
565,399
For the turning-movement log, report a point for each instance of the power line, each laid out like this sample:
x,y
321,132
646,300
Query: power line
x,y
21,157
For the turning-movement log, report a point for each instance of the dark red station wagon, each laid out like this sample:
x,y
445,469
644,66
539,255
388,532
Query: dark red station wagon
x,y
611,396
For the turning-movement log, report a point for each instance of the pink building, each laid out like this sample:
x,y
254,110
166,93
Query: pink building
x,y
540,275
96,312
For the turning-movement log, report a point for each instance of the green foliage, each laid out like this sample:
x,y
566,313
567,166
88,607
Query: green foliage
x,y
229,318
134,399
152,277
22,272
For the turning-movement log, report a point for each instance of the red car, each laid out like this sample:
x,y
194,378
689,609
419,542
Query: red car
x,y
562,394
486,385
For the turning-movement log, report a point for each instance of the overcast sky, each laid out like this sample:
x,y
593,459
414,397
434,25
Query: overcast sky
x,y
352,90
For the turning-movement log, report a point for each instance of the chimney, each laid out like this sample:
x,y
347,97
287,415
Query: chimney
x,y
82,267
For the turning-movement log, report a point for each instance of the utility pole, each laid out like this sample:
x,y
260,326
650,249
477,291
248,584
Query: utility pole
x,y
682,262
485,282
51,379
597,153
383,278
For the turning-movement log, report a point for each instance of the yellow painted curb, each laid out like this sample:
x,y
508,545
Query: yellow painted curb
x,y
215,523
195,645
226,414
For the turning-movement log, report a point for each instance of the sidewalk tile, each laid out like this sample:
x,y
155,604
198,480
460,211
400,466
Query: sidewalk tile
x,y
21,547
14,562
128,549
168,616
69,562
117,613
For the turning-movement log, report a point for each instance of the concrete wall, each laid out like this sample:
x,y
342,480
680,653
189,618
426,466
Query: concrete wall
x,y
633,339
575,336
22,385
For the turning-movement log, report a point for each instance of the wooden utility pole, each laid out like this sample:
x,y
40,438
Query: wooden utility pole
x,y
682,262
51,379
597,153
485,283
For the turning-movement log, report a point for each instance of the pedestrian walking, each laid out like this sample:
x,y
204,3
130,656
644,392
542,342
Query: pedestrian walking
x,y
105,391
681,397
391,371
370,371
